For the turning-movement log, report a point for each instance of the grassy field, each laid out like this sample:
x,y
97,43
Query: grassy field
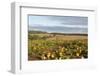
x,y
48,46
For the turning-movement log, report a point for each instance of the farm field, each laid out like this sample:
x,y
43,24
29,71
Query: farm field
x,y
56,46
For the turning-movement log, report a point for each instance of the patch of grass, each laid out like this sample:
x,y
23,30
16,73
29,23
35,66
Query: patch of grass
x,y
51,47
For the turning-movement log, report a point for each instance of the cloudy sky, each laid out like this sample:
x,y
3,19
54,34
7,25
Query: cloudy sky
x,y
54,21
68,21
